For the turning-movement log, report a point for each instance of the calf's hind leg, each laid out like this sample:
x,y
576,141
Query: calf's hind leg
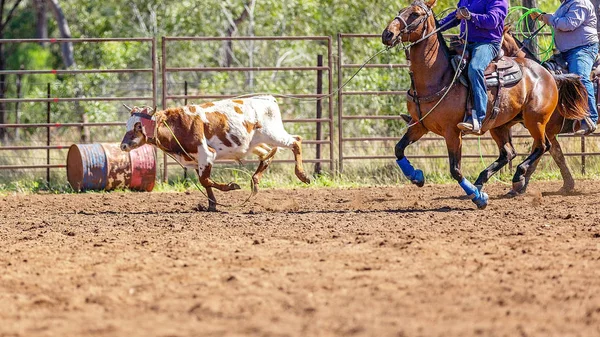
x,y
280,138
265,159
299,170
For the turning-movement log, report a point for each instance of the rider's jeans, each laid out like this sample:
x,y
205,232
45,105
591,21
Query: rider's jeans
x,y
482,53
580,60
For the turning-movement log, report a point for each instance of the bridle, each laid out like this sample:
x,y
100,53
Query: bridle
x,y
414,25
149,124
409,28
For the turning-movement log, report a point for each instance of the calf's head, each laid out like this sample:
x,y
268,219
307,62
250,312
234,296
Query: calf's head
x,y
140,127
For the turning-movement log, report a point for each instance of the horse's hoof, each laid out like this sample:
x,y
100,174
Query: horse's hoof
x,y
511,194
233,186
481,201
519,187
418,178
567,189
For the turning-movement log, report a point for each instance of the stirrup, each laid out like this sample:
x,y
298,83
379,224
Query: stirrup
x,y
471,125
587,126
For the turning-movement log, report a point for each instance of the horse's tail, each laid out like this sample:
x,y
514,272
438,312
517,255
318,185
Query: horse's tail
x,y
572,96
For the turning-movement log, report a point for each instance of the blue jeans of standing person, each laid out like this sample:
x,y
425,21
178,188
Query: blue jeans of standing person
x,y
482,53
580,60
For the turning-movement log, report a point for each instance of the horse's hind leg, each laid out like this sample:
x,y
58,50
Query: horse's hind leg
x,y
528,166
413,134
503,139
532,168
265,160
454,145
559,159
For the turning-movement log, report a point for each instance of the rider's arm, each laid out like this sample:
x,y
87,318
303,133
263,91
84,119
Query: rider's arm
x,y
451,20
570,20
496,13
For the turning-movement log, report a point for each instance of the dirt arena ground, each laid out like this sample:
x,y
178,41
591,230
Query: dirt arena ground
x,y
391,261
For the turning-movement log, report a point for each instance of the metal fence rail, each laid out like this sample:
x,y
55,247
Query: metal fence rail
x,y
49,99
324,113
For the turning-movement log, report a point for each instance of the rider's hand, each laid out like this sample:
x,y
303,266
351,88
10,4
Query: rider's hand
x,y
545,18
463,13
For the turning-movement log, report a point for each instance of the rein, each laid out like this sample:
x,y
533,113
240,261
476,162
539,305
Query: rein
x,y
414,97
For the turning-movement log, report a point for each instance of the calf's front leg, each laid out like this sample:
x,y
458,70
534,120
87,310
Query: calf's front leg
x,y
206,157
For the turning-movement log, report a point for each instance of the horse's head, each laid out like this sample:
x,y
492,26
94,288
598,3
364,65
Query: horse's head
x,y
410,23
140,127
509,44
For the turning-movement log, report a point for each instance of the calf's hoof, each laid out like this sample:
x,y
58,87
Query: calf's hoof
x,y
254,188
202,208
233,186
302,176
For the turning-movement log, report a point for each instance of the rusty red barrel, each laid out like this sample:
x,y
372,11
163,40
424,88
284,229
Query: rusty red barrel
x,y
106,167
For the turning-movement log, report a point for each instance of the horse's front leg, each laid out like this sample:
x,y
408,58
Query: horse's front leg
x,y
454,145
413,134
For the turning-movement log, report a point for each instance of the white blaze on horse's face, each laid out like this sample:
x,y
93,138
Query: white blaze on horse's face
x,y
134,135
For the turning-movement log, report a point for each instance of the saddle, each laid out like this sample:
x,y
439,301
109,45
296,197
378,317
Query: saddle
x,y
501,72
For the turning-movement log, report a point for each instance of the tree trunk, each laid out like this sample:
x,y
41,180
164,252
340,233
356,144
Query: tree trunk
x,y
230,30
65,32
41,23
69,61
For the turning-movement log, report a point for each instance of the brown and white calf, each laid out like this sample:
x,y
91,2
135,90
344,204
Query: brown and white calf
x,y
198,135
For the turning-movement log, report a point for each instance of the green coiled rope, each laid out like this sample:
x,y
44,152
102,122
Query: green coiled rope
x,y
523,30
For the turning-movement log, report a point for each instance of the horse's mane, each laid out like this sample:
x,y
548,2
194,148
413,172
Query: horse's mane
x,y
440,37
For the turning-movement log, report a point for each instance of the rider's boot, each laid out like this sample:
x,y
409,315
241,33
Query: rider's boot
x,y
471,124
587,127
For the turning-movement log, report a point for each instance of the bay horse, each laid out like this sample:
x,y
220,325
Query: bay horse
x,y
557,124
530,101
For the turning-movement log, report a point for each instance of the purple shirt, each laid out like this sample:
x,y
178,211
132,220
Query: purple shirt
x,y
487,20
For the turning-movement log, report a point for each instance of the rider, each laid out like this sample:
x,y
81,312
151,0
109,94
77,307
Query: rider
x,y
485,22
576,38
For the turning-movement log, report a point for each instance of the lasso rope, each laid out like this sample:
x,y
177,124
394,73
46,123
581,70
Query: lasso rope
x,y
524,30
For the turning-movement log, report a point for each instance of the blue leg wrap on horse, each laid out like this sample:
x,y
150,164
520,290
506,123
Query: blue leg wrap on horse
x,y
469,188
415,176
479,198
406,168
